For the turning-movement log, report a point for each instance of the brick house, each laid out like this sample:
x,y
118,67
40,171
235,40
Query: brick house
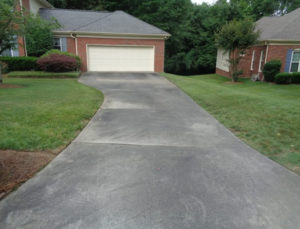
x,y
279,39
105,41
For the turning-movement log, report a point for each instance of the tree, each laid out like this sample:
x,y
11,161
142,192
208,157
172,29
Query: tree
x,y
38,35
259,8
77,4
169,15
11,25
201,50
235,38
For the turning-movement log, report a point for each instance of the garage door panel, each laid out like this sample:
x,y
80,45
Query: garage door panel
x,y
121,58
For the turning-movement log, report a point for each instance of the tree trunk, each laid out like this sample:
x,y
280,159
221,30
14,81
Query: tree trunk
x,y
232,64
1,81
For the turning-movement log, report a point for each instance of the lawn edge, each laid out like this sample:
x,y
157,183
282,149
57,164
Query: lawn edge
x,y
227,129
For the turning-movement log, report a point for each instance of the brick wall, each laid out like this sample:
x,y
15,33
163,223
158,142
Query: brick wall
x,y
21,46
245,63
71,45
26,4
222,72
279,52
82,43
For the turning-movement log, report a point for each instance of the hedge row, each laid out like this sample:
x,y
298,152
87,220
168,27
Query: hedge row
x,y
21,63
51,61
287,78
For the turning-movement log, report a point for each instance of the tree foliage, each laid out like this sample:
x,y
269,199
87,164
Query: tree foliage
x,y
259,8
38,35
191,48
235,38
76,4
11,24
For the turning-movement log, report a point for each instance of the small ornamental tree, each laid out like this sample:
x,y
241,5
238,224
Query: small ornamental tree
x,y
39,36
11,25
236,37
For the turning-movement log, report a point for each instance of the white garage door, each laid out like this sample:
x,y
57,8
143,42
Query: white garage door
x,y
121,58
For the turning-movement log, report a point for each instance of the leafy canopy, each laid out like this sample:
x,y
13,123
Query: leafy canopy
x,y
191,48
235,37
11,24
38,35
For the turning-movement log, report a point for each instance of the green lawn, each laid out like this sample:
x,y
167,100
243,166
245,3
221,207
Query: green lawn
x,y
41,74
265,116
44,114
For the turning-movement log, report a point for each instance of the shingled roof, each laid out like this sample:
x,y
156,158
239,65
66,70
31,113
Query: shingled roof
x,y
280,28
86,21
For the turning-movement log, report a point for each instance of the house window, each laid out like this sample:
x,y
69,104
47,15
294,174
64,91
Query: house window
x,y
252,60
261,60
10,52
295,63
57,44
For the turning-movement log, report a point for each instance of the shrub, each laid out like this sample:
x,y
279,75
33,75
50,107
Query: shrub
x,y
283,78
20,63
56,51
295,77
271,69
57,63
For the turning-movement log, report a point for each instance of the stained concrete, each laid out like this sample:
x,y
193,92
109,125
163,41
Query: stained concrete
x,y
152,158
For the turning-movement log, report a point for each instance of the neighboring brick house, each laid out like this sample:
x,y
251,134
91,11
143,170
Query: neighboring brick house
x,y
105,41
279,39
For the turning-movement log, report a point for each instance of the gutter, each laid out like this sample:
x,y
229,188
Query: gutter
x,y
45,3
157,36
284,42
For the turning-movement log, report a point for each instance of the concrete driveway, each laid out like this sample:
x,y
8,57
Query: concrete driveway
x,y
152,158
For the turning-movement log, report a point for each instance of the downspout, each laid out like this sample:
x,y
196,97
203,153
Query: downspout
x,y
267,51
266,56
76,48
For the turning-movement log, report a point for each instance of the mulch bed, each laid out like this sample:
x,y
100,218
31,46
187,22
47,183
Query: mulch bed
x,y
16,167
230,82
6,85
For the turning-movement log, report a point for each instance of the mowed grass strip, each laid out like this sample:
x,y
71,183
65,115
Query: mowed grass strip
x,y
265,116
44,114
41,74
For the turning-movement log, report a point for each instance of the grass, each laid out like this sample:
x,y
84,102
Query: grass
x,y
44,114
265,116
40,74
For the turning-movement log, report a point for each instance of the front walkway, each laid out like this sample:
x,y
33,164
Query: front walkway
x,y
152,158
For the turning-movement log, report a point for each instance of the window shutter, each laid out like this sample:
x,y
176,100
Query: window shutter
x,y
288,60
64,44
16,50
6,52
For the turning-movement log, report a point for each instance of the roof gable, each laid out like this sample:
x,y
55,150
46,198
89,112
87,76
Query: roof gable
x,y
286,27
85,21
